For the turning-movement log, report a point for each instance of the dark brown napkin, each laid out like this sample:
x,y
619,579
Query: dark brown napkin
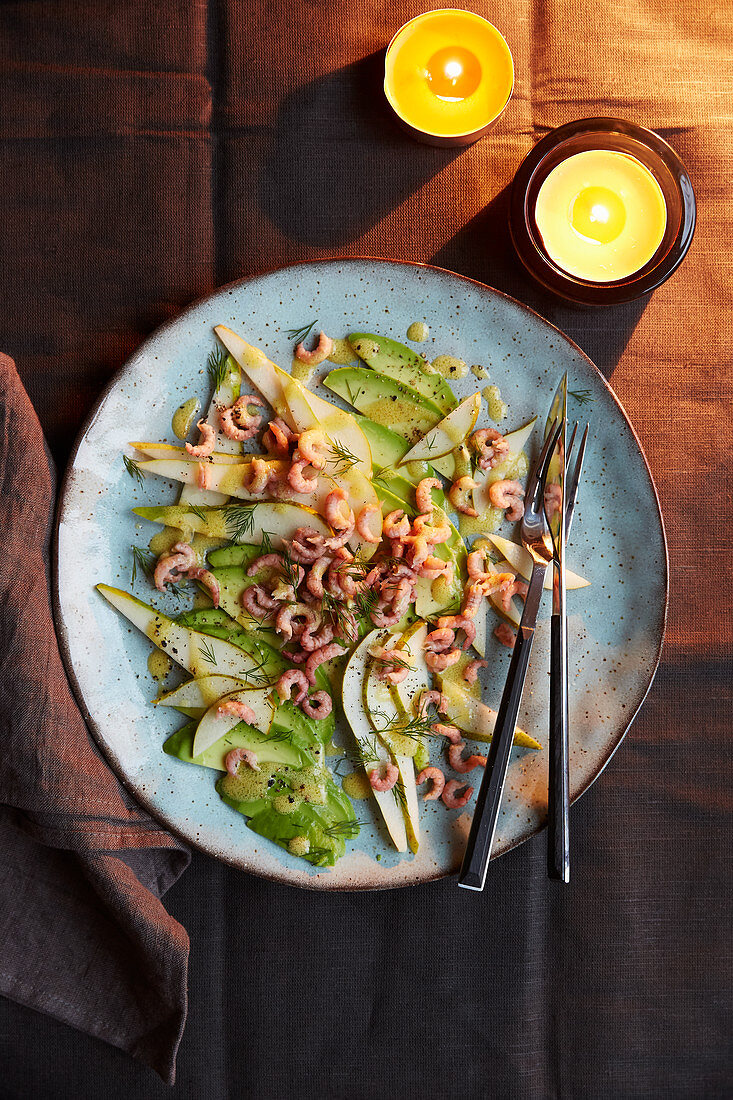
x,y
83,933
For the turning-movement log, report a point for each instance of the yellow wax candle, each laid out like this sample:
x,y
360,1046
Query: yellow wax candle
x,y
448,74
601,215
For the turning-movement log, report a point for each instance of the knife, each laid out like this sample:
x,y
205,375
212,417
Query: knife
x,y
558,809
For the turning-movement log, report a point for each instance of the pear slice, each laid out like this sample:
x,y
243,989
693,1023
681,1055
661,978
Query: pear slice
x,y
371,749
201,693
448,434
200,654
213,726
166,450
384,709
475,718
279,520
265,375
226,393
348,441
521,560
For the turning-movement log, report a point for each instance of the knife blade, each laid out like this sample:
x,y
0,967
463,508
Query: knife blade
x,y
558,808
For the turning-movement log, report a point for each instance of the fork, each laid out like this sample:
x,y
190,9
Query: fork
x,y
558,808
537,541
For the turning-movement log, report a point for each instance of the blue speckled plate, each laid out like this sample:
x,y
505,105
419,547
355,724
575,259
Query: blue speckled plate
x,y
616,626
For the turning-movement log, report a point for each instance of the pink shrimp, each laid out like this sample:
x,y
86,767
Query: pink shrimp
x,y
385,615
320,656
297,480
439,662
338,541
314,581
451,733
318,705
433,567
307,545
516,588
391,665
386,782
437,786
432,699
396,525
475,563
508,495
208,580
451,798
417,553
473,594
336,510
238,709
202,477
293,678
237,422
314,358
491,446
207,444
423,527
257,601
456,761
553,500
313,638
347,627
458,622
423,498
457,494
288,620
265,561
256,476
438,641
312,446
278,438
470,672
173,565
362,525
504,633
235,757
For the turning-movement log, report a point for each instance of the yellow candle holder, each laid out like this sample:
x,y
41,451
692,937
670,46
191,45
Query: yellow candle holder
x,y
635,174
448,76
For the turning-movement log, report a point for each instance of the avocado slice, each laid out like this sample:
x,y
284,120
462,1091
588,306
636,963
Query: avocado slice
x,y
387,447
404,365
385,401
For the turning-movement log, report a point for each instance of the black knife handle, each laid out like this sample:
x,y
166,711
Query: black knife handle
x,y
558,809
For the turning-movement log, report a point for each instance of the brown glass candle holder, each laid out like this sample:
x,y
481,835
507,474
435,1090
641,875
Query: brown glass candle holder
x,y
619,136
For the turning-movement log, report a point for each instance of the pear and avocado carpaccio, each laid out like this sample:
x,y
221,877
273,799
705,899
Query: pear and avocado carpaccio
x,y
325,545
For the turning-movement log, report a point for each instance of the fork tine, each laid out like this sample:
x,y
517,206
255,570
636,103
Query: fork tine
x,y
569,449
574,481
539,473
539,470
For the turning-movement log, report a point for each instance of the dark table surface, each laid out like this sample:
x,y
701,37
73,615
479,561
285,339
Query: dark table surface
x,y
149,153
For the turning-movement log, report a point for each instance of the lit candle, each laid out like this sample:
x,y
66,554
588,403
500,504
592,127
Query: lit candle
x,y
601,215
448,75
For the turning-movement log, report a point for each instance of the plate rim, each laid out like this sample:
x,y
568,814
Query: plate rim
x,y
318,883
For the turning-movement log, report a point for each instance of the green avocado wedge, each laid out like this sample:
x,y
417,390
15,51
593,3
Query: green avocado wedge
x,y
385,401
404,365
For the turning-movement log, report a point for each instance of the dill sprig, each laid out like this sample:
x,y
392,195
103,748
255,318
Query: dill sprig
x,y
368,750
207,652
417,727
197,510
399,795
298,335
338,613
319,856
365,602
240,521
266,543
583,397
133,469
342,458
218,368
289,569
350,392
391,660
143,560
346,829
284,736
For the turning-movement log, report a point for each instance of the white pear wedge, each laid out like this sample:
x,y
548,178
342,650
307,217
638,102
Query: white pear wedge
x,y
447,434
504,469
521,560
200,654
475,718
372,751
214,725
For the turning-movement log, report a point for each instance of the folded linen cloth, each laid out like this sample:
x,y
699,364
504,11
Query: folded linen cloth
x,y
83,933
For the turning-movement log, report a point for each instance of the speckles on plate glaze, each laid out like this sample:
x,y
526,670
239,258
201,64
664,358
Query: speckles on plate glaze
x,y
619,636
